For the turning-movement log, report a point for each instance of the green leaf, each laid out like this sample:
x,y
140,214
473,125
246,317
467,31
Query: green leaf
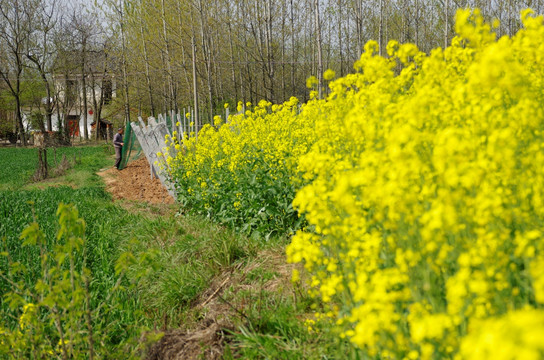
x,y
31,234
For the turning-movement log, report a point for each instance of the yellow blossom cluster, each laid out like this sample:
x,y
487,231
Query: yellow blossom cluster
x,y
515,335
243,171
424,197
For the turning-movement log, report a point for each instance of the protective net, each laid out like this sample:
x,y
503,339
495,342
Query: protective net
x,y
169,123
131,147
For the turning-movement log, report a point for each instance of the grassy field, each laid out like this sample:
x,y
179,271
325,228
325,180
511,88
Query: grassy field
x,y
178,272
19,164
23,202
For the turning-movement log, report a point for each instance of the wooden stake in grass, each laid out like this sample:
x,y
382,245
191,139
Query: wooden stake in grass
x,y
39,142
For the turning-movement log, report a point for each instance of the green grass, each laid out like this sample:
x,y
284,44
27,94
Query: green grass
x,y
106,228
19,165
175,260
185,254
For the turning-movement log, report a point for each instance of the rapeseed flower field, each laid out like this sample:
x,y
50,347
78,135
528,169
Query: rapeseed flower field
x,y
414,191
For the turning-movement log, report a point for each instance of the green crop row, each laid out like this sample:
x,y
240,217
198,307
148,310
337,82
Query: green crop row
x,y
107,225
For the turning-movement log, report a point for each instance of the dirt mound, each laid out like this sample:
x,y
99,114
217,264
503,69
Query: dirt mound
x,y
135,183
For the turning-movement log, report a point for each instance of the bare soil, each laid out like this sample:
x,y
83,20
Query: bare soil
x,y
135,183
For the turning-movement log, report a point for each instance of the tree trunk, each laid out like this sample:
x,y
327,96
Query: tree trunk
x,y
171,86
233,67
340,50
42,171
97,105
84,87
293,50
416,23
359,24
381,27
146,60
283,36
195,88
65,109
47,86
125,71
183,56
269,51
84,109
446,22
20,125
319,50
61,130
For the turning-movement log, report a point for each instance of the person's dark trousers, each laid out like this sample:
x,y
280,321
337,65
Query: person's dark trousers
x,y
117,157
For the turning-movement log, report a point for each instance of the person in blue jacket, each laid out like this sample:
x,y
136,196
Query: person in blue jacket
x,y
118,145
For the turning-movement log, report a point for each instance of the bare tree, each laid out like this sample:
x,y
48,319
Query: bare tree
x,y
319,48
64,67
231,48
206,51
172,101
195,81
40,53
84,31
118,17
248,50
446,22
16,25
146,58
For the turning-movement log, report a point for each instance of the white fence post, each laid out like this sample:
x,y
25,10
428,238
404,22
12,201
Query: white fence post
x,y
152,138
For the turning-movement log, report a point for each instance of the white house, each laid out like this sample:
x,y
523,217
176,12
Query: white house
x,y
71,93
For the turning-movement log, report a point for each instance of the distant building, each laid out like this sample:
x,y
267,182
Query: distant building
x,y
68,85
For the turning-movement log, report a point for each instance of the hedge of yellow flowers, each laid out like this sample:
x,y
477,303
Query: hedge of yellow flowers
x,y
425,199
243,173
421,179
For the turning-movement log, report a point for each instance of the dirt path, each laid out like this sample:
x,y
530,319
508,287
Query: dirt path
x,y
134,183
